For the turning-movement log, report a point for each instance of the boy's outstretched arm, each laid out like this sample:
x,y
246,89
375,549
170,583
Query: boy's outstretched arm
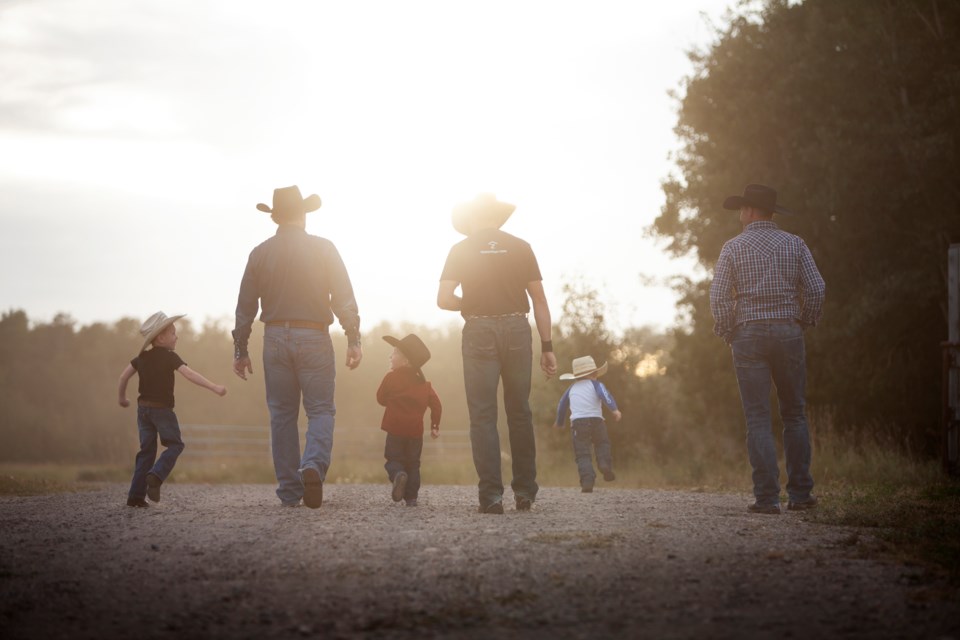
x,y
122,389
199,380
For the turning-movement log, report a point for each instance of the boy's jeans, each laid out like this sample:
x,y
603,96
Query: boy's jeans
x,y
299,362
152,422
495,349
590,434
765,352
403,454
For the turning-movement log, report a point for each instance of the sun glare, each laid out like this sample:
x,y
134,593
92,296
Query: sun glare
x,y
650,365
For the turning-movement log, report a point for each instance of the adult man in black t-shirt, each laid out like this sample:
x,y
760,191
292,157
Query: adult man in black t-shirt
x,y
498,276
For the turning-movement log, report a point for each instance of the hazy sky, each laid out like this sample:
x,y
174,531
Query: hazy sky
x,y
137,138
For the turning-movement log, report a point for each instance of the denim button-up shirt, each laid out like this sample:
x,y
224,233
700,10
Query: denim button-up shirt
x,y
296,276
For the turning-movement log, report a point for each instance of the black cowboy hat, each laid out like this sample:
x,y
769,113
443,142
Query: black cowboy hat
x,y
759,196
412,348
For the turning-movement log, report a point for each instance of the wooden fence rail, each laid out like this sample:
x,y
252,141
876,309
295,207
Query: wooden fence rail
x,y
217,441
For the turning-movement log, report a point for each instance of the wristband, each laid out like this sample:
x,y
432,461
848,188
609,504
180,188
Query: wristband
x,y
546,346
240,350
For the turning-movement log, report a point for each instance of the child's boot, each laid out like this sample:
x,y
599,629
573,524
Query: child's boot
x,y
153,487
399,486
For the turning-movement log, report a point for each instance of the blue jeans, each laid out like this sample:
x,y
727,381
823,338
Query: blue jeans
x,y
590,434
496,349
764,353
299,363
153,422
403,454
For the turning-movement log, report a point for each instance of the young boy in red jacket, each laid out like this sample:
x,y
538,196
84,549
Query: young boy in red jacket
x,y
406,394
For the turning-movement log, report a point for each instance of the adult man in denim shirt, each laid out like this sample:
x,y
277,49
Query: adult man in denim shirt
x,y
766,291
498,276
301,282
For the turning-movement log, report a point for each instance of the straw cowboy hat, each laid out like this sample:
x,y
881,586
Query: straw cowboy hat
x,y
483,212
154,326
412,348
583,367
287,200
759,196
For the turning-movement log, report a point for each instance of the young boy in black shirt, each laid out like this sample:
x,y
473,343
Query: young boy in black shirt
x,y
155,414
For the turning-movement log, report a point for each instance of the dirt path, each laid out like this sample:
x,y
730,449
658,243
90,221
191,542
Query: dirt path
x,y
229,562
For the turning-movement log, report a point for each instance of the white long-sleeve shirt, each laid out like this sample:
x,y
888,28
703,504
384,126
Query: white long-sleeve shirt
x,y
585,399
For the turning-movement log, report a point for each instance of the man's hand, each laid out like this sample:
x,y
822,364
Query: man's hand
x,y
123,402
435,431
242,366
548,363
617,415
354,356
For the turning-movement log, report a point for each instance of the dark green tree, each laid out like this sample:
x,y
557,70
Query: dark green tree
x,y
851,110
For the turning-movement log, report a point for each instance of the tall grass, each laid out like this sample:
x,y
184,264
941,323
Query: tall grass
x,y
841,463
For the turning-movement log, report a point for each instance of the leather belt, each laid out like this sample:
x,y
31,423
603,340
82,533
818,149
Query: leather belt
x,y
152,405
515,314
772,321
297,324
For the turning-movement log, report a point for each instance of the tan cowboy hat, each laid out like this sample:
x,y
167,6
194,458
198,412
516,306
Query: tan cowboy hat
x,y
288,200
583,367
154,326
483,212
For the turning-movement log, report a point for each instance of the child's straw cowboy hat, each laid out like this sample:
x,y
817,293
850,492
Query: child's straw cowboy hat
x,y
583,367
155,325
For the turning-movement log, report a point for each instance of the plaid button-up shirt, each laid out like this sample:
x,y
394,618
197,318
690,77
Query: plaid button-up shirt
x,y
763,274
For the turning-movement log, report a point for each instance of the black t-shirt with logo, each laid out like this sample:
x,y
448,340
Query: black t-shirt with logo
x,y
493,269
155,368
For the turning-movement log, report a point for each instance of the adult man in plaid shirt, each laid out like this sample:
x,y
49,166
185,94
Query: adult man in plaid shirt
x,y
766,291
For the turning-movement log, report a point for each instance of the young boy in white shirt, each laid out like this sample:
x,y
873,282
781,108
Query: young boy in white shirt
x,y
585,400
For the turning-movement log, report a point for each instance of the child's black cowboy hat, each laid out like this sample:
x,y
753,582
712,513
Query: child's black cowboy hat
x,y
759,196
412,348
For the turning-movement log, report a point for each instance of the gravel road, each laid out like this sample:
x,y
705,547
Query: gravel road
x,y
228,562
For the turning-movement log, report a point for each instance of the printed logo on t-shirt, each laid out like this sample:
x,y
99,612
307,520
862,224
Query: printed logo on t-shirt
x,y
493,248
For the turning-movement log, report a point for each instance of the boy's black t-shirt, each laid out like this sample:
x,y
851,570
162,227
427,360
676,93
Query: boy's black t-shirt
x,y
493,269
155,368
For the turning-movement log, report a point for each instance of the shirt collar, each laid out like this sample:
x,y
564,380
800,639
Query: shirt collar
x,y
289,228
761,224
